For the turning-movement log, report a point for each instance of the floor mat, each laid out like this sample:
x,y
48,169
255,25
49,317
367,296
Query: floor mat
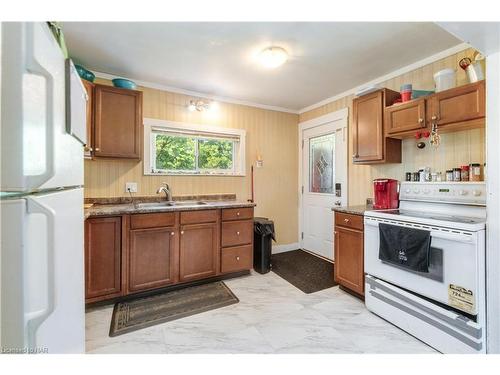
x,y
303,270
160,308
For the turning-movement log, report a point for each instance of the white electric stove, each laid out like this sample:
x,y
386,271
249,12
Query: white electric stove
x,y
444,307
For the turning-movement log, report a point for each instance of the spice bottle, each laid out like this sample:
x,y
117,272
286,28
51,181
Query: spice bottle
x,y
449,175
464,173
475,172
457,174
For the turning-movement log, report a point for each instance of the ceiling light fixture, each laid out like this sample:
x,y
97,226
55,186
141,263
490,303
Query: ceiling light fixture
x,y
272,57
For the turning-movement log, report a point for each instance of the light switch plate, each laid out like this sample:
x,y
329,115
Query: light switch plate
x,y
131,187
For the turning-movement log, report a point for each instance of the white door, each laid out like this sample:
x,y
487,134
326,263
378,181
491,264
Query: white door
x,y
324,182
42,296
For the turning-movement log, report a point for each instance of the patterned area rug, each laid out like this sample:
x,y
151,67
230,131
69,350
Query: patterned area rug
x,y
303,270
147,311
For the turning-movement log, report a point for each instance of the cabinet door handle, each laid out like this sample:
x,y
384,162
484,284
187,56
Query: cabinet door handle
x,y
182,232
172,233
238,258
434,117
88,149
238,213
237,233
347,220
420,120
97,149
355,155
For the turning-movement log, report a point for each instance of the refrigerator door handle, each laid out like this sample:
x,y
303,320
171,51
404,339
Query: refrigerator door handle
x,y
35,318
35,67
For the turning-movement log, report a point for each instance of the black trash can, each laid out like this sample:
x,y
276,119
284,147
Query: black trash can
x,y
263,235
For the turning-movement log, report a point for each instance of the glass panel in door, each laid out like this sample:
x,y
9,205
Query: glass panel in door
x,y
321,164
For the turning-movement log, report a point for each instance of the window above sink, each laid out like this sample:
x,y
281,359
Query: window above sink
x,y
173,148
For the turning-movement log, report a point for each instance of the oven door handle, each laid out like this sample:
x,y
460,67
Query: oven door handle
x,y
452,237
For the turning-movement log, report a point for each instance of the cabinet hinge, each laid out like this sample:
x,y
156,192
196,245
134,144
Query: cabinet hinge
x,y
302,143
302,189
302,235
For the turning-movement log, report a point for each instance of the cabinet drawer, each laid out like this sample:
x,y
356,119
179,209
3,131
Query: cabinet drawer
x,y
236,233
155,220
237,258
237,213
198,217
349,220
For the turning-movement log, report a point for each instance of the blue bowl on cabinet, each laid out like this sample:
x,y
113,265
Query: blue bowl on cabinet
x,y
84,73
124,83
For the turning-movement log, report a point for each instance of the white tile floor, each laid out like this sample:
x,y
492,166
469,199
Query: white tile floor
x,y
271,317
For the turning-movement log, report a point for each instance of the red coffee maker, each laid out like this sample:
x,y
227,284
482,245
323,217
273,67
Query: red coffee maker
x,y
385,193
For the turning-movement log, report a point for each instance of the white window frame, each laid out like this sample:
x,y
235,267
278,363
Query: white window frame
x,y
238,151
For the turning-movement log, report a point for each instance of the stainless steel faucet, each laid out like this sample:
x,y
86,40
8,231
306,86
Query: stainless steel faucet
x,y
165,189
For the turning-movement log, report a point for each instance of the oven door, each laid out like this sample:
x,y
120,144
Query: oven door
x,y
456,269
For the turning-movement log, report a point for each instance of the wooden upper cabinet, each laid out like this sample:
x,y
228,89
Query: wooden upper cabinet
x,y
459,106
153,258
199,251
103,258
369,142
89,88
117,122
406,117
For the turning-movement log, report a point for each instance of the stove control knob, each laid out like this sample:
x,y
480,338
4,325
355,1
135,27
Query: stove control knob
x,y
476,193
408,191
426,191
416,191
463,192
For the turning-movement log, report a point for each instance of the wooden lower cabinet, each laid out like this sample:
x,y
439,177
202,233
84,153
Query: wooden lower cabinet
x,y
349,255
141,252
153,257
103,258
199,251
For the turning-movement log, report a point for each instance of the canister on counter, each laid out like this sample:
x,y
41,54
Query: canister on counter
x,y
457,174
408,176
439,177
416,176
464,173
475,172
449,175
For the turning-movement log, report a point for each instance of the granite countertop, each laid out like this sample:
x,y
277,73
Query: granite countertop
x,y
354,210
111,209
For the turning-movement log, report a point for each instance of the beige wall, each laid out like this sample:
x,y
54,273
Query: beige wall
x,y
269,133
456,149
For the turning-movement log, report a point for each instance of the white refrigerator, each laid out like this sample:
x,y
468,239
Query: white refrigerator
x,y
42,254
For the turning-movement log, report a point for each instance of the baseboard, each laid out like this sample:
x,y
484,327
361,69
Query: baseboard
x,y
284,248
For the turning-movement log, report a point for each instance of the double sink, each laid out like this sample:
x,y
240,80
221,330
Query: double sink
x,y
153,205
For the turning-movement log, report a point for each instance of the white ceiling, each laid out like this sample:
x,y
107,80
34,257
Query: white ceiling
x,y
218,58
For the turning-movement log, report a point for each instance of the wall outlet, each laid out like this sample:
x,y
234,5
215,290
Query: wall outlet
x,y
131,187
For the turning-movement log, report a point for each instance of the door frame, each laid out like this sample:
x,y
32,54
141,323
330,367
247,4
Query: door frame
x,y
329,117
